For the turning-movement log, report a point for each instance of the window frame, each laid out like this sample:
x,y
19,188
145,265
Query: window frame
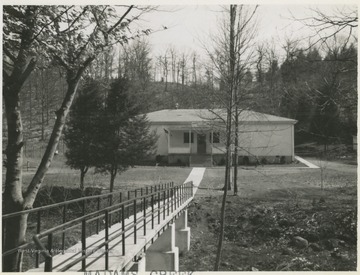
x,y
215,137
186,138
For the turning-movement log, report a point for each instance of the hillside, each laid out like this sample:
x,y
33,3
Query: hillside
x,y
39,103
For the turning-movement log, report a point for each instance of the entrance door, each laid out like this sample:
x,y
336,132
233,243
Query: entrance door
x,y
201,144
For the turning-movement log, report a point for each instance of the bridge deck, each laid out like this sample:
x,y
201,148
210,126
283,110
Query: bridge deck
x,y
118,261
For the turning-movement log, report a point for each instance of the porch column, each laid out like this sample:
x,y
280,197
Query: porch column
x,y
292,143
212,140
190,146
169,137
182,233
163,254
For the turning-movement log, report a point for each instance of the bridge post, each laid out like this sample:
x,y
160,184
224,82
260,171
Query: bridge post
x,y
182,232
163,254
139,265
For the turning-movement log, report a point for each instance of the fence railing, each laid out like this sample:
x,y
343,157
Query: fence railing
x,y
83,207
146,210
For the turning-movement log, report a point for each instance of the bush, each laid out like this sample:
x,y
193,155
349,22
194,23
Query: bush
x,y
222,162
54,194
158,158
161,160
246,160
282,160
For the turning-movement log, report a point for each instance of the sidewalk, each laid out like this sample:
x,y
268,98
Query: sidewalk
x,y
307,163
196,175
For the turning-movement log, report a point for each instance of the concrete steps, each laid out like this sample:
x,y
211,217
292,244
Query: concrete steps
x,y
201,161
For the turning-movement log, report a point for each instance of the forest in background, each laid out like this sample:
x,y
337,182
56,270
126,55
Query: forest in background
x,y
316,87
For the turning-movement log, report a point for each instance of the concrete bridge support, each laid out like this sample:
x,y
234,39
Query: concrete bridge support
x,y
163,254
139,265
182,233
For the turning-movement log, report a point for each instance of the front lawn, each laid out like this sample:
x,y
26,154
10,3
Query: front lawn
x,y
132,178
280,221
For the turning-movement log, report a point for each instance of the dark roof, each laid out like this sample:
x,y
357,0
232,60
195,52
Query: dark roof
x,y
204,115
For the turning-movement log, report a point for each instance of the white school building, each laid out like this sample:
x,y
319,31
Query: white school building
x,y
197,136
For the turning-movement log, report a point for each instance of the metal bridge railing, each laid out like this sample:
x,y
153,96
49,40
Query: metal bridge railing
x,y
82,206
146,208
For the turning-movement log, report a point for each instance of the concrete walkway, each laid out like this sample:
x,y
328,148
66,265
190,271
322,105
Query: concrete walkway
x,y
196,175
307,163
334,165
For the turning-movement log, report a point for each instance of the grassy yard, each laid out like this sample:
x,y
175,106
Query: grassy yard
x,y
274,206
61,175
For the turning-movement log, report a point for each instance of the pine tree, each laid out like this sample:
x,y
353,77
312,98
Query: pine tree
x,y
125,135
79,134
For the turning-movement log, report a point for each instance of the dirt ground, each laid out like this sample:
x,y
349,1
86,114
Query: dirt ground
x,y
280,221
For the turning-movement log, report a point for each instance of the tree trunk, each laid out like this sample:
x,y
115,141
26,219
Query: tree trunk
x,y
106,64
228,133
236,160
47,107
30,102
83,171
42,118
15,230
227,183
13,199
194,70
325,146
113,173
61,115
230,83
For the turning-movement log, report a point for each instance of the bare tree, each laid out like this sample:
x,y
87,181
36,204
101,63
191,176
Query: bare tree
x,y
194,69
58,32
231,58
230,79
268,78
340,21
173,58
183,68
260,70
244,42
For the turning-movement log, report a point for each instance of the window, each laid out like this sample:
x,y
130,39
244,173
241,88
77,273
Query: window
x,y
216,137
186,137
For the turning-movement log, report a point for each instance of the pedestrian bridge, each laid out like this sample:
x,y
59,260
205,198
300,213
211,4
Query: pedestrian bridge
x,y
143,233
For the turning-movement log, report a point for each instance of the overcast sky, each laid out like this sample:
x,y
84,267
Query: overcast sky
x,y
189,26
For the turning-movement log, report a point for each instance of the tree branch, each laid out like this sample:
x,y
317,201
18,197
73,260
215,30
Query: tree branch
x,y
84,66
6,76
9,54
121,19
75,20
48,24
29,68
61,62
